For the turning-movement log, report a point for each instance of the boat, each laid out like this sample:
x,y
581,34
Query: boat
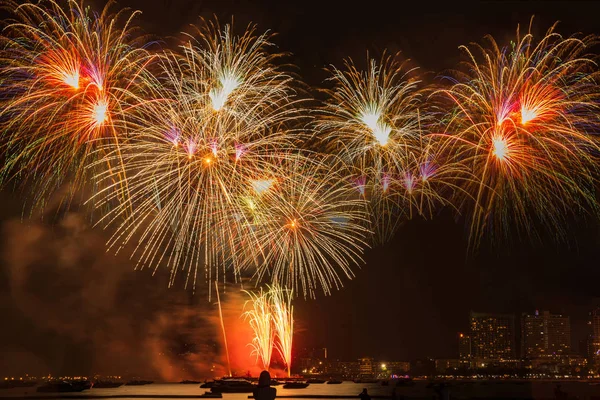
x,y
315,380
138,383
367,380
233,385
295,385
208,384
187,382
83,383
333,382
212,395
13,383
406,382
59,387
106,384
275,382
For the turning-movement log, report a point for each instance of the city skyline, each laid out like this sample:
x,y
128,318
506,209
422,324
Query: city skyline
x,y
473,351
539,333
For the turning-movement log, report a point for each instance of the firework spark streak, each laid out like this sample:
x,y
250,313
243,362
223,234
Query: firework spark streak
x,y
271,317
524,121
67,77
260,319
283,322
223,327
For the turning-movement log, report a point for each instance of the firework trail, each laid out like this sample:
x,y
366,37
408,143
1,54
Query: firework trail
x,y
223,328
283,322
523,119
68,75
260,318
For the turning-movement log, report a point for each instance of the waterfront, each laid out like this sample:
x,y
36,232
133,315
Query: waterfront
x,y
582,390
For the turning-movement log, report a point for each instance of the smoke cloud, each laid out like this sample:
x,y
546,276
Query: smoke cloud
x,y
74,308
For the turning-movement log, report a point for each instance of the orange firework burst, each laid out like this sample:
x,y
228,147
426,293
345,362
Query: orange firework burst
x,y
68,74
524,122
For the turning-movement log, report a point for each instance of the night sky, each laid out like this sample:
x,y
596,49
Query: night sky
x,y
68,306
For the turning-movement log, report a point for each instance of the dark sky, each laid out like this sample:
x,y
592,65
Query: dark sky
x,y
71,307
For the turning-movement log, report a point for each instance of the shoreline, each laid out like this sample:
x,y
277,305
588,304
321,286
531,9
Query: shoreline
x,y
139,396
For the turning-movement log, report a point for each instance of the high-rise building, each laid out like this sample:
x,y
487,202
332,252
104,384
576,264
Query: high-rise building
x,y
594,348
545,334
464,346
367,366
492,336
583,347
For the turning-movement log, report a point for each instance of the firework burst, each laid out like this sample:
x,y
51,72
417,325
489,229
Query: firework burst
x,y
244,81
308,227
188,161
373,122
524,121
68,74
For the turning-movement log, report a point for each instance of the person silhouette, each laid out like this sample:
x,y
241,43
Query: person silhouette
x,y
364,395
443,391
559,394
264,391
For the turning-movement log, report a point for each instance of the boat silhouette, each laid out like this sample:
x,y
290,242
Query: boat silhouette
x,y
106,384
211,395
138,383
60,387
14,383
296,385
233,385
